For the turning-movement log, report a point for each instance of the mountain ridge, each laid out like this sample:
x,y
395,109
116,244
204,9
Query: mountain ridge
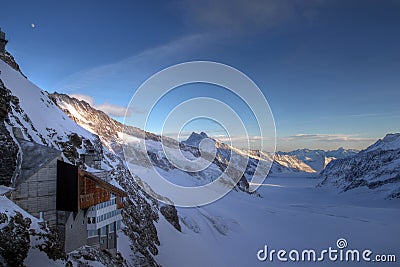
x,y
374,168
24,106
318,159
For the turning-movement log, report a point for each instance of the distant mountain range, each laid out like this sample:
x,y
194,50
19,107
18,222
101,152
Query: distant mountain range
x,y
340,167
318,159
375,169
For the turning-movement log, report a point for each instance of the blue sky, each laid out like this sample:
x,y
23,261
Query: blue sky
x,y
329,69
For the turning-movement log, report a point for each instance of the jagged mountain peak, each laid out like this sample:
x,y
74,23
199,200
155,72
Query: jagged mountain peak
x,y
390,142
195,138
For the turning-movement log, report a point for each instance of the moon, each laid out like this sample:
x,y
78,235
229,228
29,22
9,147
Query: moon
x,y
33,25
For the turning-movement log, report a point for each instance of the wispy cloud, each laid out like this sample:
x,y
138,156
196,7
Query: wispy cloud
x,y
243,138
219,17
374,115
326,138
288,143
109,109
221,137
129,73
239,15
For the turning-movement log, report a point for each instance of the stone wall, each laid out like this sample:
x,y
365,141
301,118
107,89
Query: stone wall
x,y
75,230
38,193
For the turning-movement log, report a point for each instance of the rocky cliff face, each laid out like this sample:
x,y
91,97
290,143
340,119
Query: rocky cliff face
x,y
9,149
27,107
141,211
9,59
375,168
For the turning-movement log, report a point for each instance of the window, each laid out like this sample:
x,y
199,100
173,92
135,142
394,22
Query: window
x,y
111,227
93,219
92,233
118,225
88,220
103,231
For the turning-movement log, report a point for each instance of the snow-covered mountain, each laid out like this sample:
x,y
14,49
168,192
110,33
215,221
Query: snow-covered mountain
x,y
111,133
282,164
195,138
27,107
389,142
228,232
376,168
223,233
319,159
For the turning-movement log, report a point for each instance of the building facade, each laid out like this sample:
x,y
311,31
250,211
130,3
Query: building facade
x,y
85,209
103,222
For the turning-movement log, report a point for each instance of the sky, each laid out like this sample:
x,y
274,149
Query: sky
x,y
328,69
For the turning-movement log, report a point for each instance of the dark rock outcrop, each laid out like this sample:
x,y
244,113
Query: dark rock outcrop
x,y
9,149
171,215
9,59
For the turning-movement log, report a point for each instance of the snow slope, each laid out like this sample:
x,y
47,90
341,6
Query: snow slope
x,y
376,169
292,214
45,117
